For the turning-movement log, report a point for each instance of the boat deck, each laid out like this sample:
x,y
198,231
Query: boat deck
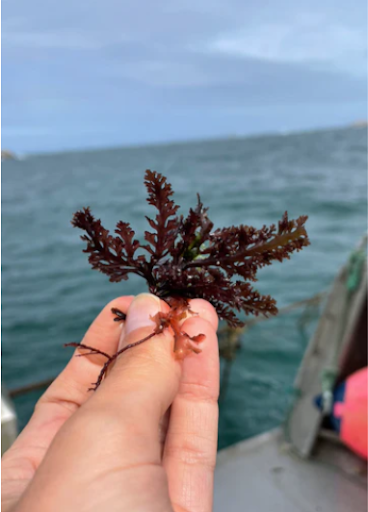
x,y
263,475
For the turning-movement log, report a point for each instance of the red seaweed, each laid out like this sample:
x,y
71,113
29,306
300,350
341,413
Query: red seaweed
x,y
184,258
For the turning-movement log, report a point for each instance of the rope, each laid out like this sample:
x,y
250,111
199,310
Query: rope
x,y
356,265
30,387
230,338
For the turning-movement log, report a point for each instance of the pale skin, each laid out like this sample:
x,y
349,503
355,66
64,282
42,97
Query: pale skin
x,y
117,449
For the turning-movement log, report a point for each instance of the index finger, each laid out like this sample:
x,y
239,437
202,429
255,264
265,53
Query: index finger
x,y
70,389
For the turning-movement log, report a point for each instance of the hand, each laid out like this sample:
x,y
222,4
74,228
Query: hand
x,y
110,450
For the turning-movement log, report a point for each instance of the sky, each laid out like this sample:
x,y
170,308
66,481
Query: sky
x,y
92,73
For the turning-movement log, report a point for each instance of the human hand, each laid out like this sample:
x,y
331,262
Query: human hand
x,y
111,450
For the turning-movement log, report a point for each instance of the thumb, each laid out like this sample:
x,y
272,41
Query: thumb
x,y
145,377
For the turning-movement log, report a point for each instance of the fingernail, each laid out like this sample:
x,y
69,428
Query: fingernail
x,y
140,311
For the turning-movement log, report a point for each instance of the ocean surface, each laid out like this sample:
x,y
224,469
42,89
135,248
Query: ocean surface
x,y
50,295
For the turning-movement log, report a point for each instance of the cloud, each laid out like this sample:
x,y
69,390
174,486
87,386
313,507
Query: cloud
x,y
301,41
283,31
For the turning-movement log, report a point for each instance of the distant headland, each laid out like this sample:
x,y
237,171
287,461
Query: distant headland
x,y
7,155
360,123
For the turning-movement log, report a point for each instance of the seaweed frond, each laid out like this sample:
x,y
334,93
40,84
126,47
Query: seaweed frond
x,y
186,258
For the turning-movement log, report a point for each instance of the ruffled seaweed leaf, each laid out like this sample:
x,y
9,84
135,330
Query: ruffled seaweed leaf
x,y
166,223
110,255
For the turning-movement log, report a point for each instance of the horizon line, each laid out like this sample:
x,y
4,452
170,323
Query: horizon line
x,y
279,133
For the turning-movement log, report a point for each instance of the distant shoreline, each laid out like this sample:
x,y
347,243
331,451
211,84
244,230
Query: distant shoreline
x,y
360,124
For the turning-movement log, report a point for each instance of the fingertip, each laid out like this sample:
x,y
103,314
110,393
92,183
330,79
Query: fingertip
x,y
203,368
103,332
141,322
121,303
205,310
141,312
196,325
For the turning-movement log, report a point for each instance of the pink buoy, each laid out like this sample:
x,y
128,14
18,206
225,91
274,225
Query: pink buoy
x,y
350,410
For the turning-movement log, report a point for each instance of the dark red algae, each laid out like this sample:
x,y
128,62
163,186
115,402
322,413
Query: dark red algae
x,y
184,258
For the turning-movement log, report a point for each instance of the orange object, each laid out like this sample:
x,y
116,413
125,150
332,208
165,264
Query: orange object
x,y
352,413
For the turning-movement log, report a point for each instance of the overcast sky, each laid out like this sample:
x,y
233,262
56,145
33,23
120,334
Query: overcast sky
x,y
78,73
